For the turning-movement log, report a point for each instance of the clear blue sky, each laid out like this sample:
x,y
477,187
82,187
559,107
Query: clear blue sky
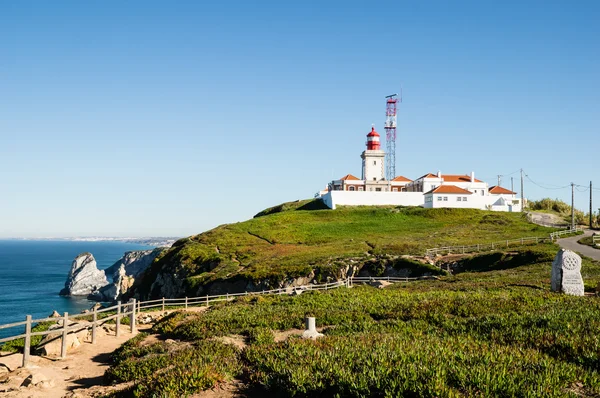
x,y
169,118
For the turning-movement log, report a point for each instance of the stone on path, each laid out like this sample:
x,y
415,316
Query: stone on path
x,y
566,273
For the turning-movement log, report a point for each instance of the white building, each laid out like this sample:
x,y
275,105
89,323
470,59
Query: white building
x,y
429,190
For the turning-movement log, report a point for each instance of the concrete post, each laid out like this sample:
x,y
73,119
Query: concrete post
x,y
311,329
186,302
163,304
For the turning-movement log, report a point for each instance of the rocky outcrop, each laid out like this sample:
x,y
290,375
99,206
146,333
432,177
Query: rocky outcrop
x,y
84,277
124,272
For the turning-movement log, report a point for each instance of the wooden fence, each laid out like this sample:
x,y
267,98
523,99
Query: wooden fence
x,y
98,317
498,245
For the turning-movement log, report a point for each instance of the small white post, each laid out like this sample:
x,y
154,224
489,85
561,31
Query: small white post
x,y
163,304
186,302
94,322
132,316
118,327
207,300
63,348
27,346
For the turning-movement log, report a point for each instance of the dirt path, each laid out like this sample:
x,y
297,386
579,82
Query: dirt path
x,y
79,375
547,219
571,244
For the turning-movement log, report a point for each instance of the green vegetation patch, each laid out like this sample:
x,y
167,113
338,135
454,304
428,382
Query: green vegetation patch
x,y
285,243
484,332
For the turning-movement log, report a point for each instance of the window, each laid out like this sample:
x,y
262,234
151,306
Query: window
x,y
482,193
439,198
394,189
458,199
360,188
377,189
351,189
464,198
374,163
374,178
445,198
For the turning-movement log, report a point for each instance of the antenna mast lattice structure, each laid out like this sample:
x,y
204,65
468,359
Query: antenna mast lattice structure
x,y
390,135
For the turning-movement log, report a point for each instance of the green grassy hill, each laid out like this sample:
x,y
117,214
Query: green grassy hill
x,y
477,334
302,239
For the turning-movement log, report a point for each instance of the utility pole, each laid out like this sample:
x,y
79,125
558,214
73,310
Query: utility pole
x,y
512,184
572,206
591,197
499,180
522,197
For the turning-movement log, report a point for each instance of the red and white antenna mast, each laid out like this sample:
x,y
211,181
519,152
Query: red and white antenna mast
x,y
390,135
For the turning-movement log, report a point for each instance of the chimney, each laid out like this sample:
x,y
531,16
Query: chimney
x,y
439,174
472,176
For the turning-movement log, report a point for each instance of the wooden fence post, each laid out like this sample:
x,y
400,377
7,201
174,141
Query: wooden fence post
x,y
163,304
94,321
63,347
132,317
27,346
186,302
118,327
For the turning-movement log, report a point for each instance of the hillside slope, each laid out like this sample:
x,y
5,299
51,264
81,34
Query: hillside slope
x,y
287,242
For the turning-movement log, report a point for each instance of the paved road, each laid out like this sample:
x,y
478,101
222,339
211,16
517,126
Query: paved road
x,y
571,244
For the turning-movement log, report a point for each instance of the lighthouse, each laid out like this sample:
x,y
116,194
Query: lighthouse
x,y
373,168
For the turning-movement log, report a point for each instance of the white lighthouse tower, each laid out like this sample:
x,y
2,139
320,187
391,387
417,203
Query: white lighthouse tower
x,y
373,163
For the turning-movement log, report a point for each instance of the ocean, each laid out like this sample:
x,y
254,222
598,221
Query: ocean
x,y
33,272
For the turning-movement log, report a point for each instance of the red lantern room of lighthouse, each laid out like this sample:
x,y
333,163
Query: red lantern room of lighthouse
x,y
373,142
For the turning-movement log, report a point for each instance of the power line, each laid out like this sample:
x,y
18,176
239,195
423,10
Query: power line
x,y
546,187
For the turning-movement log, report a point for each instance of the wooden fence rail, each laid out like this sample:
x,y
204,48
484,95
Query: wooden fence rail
x,y
498,245
98,317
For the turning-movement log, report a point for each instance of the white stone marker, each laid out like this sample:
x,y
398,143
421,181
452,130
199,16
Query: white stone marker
x,y
311,330
566,273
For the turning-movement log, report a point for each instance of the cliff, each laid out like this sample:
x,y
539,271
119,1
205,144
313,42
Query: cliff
x,y
124,272
298,242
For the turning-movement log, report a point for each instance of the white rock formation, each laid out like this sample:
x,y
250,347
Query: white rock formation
x,y
84,277
124,272
566,273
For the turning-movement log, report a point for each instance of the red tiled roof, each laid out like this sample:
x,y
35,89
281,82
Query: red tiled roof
x,y
458,178
499,190
449,189
349,177
401,179
428,175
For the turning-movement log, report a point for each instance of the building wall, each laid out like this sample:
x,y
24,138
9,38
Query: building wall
x,y
367,198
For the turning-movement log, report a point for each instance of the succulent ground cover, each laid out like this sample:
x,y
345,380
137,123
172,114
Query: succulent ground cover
x,y
478,333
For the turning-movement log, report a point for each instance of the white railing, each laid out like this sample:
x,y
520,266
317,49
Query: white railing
x,y
484,246
463,249
558,234
120,310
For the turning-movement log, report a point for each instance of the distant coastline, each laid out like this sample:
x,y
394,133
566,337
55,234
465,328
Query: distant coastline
x,y
157,241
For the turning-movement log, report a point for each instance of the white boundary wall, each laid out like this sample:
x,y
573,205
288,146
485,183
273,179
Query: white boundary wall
x,y
369,198
332,199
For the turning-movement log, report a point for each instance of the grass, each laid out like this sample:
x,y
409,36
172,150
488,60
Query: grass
x,y
589,241
493,330
295,240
